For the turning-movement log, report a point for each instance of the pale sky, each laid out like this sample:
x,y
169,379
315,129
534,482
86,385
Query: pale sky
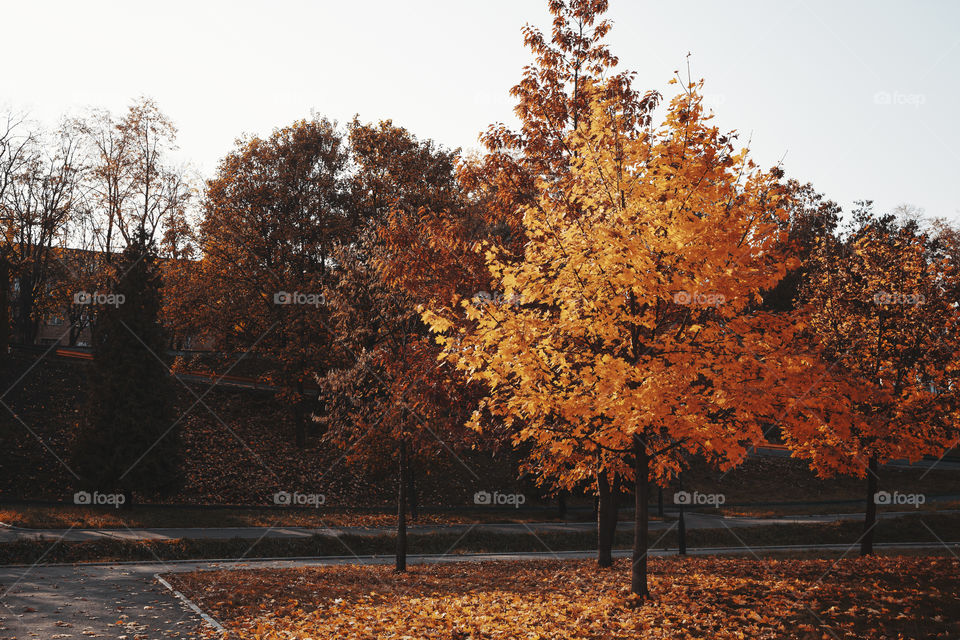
x,y
862,97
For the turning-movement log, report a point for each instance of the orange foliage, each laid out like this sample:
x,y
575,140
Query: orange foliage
x,y
883,304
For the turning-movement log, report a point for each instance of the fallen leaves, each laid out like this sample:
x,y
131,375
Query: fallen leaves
x,y
721,598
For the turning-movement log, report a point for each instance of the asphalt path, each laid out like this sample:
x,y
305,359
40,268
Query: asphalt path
x,y
691,520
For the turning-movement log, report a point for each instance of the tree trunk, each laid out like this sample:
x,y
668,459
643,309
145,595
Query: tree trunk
x,y
402,511
681,525
76,327
659,501
870,521
606,520
411,491
562,504
638,574
682,534
25,310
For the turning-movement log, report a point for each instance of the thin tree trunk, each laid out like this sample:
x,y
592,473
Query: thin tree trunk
x,y
659,501
605,505
25,310
681,525
870,521
402,511
682,534
411,490
638,574
75,330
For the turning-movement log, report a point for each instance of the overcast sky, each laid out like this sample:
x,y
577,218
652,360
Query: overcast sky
x,y
862,97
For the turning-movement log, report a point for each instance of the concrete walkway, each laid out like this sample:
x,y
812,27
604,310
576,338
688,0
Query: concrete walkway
x,y
692,521
126,601
82,601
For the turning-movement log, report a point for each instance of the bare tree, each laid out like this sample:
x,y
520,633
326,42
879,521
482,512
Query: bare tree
x,y
15,142
133,187
40,203
134,193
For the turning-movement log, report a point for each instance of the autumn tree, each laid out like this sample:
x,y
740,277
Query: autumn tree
x,y
132,189
15,143
552,101
947,237
635,317
425,220
883,303
270,221
811,219
571,65
44,199
388,399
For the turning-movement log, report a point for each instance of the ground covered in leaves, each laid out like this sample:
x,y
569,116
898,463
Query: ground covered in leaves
x,y
880,597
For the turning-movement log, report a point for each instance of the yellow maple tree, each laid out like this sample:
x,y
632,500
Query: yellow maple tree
x,y
632,325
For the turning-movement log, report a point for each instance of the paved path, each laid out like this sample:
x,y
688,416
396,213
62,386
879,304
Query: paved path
x,y
125,601
692,521
82,601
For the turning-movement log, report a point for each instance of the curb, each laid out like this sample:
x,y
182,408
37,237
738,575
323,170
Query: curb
x,y
192,605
